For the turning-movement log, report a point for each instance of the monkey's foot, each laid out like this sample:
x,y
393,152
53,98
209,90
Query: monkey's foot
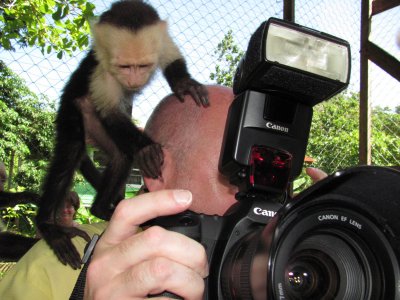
x,y
59,239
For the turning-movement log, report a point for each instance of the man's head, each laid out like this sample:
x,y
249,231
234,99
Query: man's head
x,y
191,137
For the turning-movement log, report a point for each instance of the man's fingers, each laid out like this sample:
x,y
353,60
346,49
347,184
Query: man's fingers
x,y
158,242
316,174
131,213
153,277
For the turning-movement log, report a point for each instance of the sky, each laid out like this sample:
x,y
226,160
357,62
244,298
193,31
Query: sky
x,y
198,26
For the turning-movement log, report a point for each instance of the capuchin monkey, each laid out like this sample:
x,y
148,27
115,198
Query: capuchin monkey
x,y
130,42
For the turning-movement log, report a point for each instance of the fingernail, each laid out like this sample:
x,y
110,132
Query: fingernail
x,y
183,197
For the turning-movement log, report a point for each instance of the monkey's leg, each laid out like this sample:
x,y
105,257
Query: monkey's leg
x,y
66,159
67,155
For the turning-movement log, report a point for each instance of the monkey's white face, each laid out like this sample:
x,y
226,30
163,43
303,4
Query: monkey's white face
x,y
132,74
131,57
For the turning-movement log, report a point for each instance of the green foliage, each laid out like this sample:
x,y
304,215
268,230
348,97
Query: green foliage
x,y
385,137
26,130
60,26
83,216
333,141
20,219
229,55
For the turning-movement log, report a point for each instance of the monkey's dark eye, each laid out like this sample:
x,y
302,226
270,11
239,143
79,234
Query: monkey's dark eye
x,y
124,66
145,66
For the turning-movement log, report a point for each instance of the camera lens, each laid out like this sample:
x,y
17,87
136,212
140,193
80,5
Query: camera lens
x,y
311,274
326,245
326,265
323,255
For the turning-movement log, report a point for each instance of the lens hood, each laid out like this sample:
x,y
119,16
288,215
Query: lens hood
x,y
374,190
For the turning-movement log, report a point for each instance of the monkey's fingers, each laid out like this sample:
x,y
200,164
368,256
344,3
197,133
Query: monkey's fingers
x,y
201,95
156,159
59,239
150,160
152,164
73,231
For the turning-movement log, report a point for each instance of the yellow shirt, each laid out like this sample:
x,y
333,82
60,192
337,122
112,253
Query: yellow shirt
x,y
40,275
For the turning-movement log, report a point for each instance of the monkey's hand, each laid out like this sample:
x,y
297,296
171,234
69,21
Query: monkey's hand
x,y
59,239
190,86
150,159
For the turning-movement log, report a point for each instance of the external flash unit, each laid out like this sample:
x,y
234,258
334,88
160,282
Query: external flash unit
x,y
287,69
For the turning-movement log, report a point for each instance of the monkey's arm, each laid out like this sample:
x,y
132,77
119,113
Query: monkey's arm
x,y
182,83
127,140
177,75
8,199
148,154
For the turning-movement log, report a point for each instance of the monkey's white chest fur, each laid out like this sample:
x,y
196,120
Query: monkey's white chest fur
x,y
107,94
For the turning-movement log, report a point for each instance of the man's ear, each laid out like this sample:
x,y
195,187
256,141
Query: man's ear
x,y
160,183
154,184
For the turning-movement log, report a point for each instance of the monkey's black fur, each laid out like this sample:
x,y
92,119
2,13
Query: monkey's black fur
x,y
121,14
127,139
8,199
14,246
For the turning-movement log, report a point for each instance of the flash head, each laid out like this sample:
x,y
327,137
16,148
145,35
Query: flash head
x,y
311,66
286,70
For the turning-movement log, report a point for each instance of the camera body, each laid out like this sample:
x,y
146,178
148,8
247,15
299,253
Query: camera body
x,y
338,239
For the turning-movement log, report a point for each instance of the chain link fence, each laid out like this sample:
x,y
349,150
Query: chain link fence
x,y
198,26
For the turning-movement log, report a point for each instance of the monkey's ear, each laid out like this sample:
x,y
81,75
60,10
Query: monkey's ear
x,y
92,22
163,25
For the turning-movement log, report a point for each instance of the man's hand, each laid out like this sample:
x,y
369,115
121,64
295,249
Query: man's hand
x,y
128,263
316,174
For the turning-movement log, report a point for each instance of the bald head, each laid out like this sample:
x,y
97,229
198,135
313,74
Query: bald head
x,y
191,137
180,126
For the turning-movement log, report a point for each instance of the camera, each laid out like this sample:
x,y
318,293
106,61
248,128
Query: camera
x,y
340,238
